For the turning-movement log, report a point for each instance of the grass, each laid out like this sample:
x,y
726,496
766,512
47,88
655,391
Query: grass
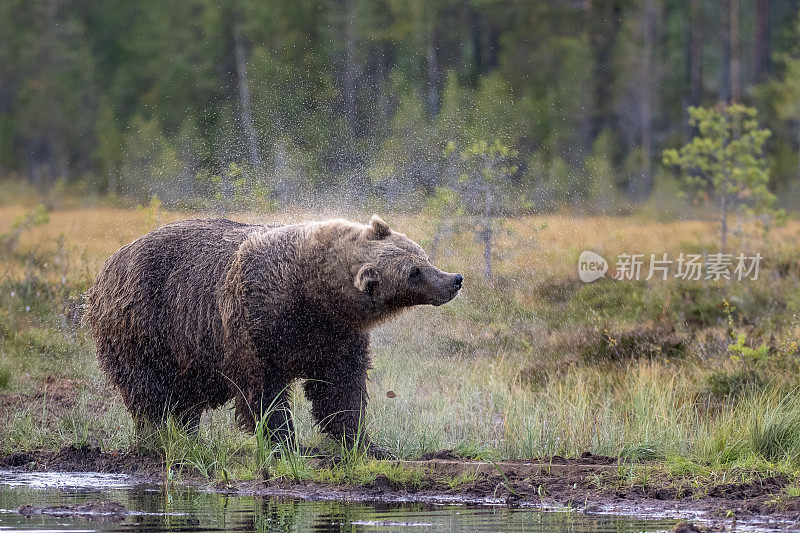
x,y
532,364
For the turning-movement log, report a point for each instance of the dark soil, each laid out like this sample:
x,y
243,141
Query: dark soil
x,y
594,484
84,459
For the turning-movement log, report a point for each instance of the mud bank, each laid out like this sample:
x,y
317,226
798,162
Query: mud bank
x,y
85,459
591,484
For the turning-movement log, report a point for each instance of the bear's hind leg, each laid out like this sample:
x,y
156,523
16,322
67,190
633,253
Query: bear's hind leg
x,y
267,409
189,418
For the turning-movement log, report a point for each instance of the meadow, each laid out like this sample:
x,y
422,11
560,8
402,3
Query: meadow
x,y
697,377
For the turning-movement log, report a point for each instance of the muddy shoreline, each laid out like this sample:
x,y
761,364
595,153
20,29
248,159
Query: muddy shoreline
x,y
590,484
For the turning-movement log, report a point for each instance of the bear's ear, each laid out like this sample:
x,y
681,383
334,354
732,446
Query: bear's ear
x,y
368,279
378,229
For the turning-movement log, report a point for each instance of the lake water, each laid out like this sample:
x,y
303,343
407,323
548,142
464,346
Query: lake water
x,y
188,509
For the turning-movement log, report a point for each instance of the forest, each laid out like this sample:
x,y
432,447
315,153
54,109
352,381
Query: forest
x,y
290,101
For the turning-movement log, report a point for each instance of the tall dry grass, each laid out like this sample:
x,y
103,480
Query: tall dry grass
x,y
504,371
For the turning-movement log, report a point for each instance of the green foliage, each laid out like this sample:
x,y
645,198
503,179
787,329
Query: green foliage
x,y
749,357
108,152
722,385
39,217
444,202
725,161
641,342
152,211
613,300
5,377
787,101
483,173
601,183
473,451
23,223
727,152
492,162
547,180
750,364
138,99
150,162
698,304
238,187
207,452
44,342
739,352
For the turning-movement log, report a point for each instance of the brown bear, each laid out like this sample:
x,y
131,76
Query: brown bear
x,y
201,311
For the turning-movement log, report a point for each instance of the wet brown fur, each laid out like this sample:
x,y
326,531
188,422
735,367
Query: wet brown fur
x,y
199,312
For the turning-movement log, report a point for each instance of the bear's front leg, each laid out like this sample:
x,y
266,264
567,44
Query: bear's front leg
x,y
338,394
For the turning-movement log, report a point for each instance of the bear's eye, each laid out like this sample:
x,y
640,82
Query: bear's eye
x,y
415,274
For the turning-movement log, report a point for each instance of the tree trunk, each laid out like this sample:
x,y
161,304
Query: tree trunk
x,y
736,131
695,55
606,20
245,100
384,100
433,72
585,124
647,97
487,233
725,66
724,214
735,70
762,40
283,183
349,64
45,173
476,34
437,236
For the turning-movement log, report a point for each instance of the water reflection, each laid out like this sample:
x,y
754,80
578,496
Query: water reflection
x,y
187,509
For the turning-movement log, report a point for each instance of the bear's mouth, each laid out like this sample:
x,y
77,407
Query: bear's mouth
x,y
452,293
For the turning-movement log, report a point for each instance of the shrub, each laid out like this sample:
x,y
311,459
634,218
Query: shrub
x,y
698,304
5,377
722,386
656,341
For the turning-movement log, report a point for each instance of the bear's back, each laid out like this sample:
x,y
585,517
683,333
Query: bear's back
x,y
160,291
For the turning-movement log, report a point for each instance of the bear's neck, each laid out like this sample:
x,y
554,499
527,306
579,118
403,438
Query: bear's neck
x,y
327,291
330,309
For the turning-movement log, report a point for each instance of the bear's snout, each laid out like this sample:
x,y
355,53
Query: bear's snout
x,y
446,287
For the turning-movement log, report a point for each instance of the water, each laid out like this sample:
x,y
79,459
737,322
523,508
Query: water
x,y
190,509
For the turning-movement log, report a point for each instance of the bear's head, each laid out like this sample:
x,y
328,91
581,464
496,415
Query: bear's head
x,y
384,271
